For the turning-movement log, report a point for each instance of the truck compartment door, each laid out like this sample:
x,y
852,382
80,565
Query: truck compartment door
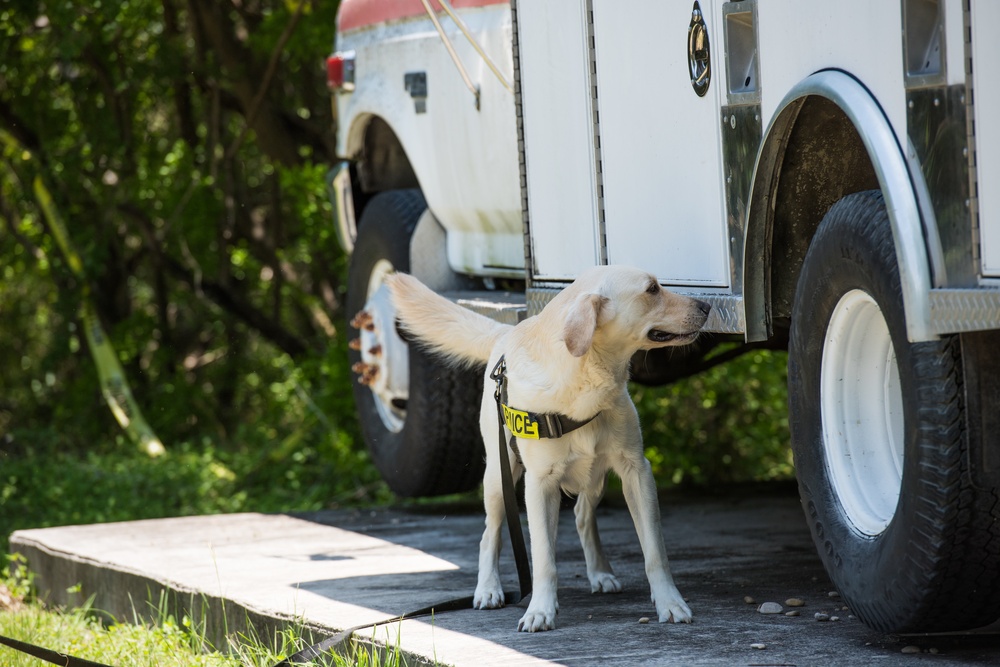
x,y
660,142
986,87
622,157
558,131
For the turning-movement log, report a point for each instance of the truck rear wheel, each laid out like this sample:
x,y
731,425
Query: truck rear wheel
x,y
880,442
419,417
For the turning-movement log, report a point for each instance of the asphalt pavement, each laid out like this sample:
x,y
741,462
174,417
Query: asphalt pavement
x,y
729,552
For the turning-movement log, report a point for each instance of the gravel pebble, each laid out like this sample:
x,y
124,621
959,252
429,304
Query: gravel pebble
x,y
833,594
769,608
819,616
749,600
795,602
758,646
794,612
644,620
835,618
910,649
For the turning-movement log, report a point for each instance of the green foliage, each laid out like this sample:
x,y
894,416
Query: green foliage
x,y
728,424
16,579
185,146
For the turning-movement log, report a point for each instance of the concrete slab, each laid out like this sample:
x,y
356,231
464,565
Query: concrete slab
x,y
332,570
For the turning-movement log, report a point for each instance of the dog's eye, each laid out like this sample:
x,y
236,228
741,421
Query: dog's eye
x,y
654,288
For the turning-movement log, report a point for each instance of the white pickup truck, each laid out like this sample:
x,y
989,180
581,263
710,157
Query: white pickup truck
x,y
825,174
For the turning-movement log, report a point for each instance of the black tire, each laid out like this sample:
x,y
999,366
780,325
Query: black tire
x,y
935,565
435,448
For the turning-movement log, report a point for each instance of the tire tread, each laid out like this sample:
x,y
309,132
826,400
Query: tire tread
x,y
439,451
949,542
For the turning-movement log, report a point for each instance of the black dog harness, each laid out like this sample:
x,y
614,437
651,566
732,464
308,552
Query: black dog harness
x,y
526,424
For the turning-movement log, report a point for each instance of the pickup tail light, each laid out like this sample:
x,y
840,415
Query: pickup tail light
x,y
340,71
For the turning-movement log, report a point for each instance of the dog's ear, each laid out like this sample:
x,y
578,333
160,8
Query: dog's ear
x,y
581,323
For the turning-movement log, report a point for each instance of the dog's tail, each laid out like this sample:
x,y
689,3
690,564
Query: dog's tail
x,y
442,326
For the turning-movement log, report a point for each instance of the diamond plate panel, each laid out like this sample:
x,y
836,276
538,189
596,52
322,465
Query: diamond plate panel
x,y
501,312
503,307
539,297
727,313
726,316
957,310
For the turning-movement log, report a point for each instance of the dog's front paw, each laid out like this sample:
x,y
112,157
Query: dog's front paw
x,y
537,619
604,582
488,597
672,608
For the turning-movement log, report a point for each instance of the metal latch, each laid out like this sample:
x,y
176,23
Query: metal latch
x,y
699,55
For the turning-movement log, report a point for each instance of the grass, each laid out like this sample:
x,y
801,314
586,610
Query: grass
x,y
79,634
83,632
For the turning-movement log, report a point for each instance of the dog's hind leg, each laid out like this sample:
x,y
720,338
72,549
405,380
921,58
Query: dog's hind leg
x,y
602,578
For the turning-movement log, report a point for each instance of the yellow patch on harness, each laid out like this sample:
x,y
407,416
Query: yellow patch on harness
x,y
520,423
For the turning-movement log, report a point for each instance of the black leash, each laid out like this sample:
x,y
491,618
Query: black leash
x,y
49,655
499,375
331,644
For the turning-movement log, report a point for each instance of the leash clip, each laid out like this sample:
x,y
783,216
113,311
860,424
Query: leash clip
x,y
499,375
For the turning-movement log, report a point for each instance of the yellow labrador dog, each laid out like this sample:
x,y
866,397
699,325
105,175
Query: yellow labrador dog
x,y
571,359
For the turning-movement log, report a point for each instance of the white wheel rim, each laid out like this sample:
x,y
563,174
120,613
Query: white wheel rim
x,y
390,387
862,411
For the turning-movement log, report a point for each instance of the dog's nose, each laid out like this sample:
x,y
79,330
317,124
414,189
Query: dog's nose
x,y
703,307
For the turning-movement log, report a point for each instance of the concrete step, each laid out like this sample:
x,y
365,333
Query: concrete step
x,y
332,570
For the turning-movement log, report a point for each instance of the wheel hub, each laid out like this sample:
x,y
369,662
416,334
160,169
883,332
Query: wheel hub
x,y
384,365
862,412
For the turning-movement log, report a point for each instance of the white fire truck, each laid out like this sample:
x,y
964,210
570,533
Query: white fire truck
x,y
825,174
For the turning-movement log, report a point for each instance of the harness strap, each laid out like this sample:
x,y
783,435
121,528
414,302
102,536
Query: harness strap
x,y
539,425
525,424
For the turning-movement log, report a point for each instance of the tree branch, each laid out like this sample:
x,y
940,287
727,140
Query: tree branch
x,y
265,83
212,23
181,86
20,130
232,303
